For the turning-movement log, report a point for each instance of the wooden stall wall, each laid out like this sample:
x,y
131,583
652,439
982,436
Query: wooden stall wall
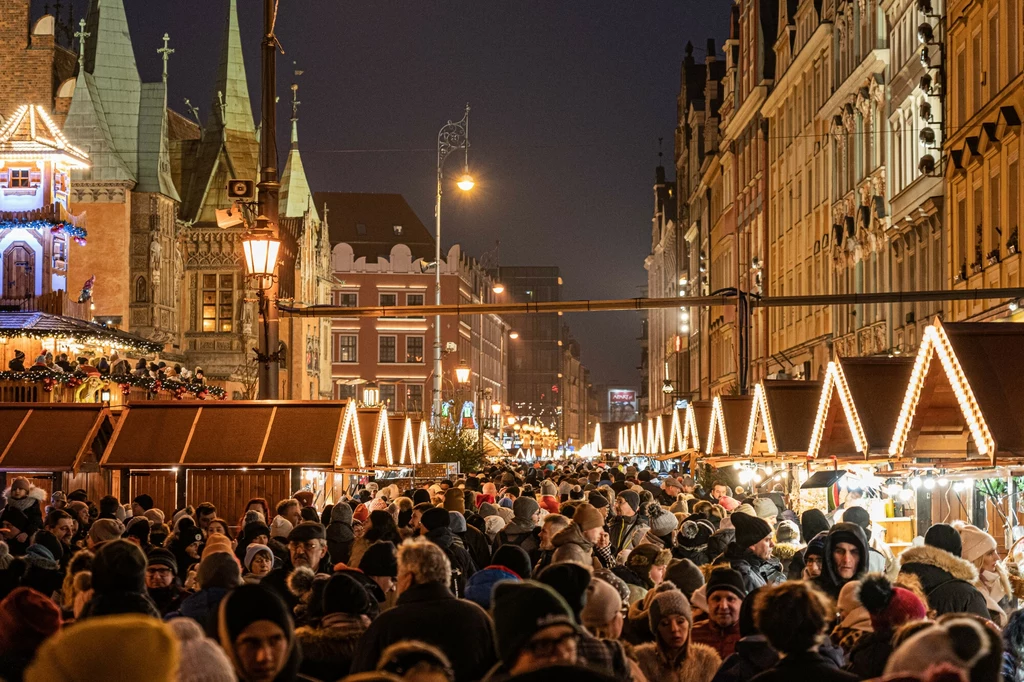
x,y
229,490
95,483
949,506
44,481
160,484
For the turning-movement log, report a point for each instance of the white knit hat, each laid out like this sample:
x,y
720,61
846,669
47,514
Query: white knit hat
x,y
201,659
976,543
280,527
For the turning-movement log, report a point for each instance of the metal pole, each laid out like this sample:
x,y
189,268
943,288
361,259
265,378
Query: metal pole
x,y
436,412
268,198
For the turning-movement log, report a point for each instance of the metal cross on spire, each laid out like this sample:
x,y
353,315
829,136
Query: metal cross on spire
x,y
295,92
81,34
166,53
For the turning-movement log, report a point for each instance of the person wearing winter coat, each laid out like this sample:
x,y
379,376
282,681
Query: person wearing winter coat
x,y
435,527
750,553
22,516
27,619
252,614
692,540
854,619
845,558
340,534
1013,648
628,527
794,617
946,579
673,656
473,540
878,561
725,594
889,607
522,530
787,544
219,573
162,583
328,648
979,548
753,652
119,582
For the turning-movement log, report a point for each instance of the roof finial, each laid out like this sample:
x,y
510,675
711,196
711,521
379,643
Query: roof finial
x,y
166,53
81,34
660,154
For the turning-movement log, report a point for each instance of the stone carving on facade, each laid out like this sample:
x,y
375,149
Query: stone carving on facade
x,y
849,122
877,92
246,315
156,250
85,192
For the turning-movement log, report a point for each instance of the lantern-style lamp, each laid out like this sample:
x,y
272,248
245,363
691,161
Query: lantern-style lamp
x,y
371,394
261,249
462,373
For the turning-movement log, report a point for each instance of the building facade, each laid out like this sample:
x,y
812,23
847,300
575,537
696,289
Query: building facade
x,y
383,255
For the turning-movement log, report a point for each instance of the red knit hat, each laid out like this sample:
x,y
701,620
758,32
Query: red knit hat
x,y
548,504
27,618
890,606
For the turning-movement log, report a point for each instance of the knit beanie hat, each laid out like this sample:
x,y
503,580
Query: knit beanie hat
x,y
662,522
457,522
745,508
435,518
280,527
598,499
603,602
155,516
520,610
27,618
345,594
119,566
587,517
943,536
515,559
547,487
787,531
454,500
158,556
50,542
569,580
890,606
104,530
685,575
816,547
217,544
488,510
202,660
726,579
21,483
524,508
75,507
251,531
219,569
750,530
420,495
730,503
380,560
246,605
668,603
144,501
631,498
694,533
252,550
765,508
961,642
144,648
859,516
975,543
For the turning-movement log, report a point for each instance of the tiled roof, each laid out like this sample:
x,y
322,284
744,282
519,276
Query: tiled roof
x,y
378,214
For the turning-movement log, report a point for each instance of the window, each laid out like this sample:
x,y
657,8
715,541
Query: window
x,y
414,299
346,348
995,224
1013,200
414,398
1012,30
961,236
979,219
993,54
979,68
388,300
386,349
961,87
344,392
19,177
345,299
218,295
387,395
414,349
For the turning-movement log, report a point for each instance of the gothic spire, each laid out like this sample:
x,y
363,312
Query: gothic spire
x,y
295,198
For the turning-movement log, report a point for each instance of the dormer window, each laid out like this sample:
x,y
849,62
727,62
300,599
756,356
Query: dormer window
x,y
19,177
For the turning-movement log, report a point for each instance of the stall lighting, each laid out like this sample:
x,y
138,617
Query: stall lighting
x,y
836,379
717,417
513,335
929,483
768,470
959,486
943,482
906,495
676,438
691,433
759,411
597,439
915,482
350,429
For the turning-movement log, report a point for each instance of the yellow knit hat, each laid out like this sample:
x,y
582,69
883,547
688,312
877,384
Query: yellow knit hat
x,y
123,647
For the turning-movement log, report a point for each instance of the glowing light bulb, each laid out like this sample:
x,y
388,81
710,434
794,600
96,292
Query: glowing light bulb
x,y
943,481
959,486
768,470
466,182
929,483
915,482
905,495
736,465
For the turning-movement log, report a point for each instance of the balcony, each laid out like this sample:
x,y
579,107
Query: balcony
x,y
54,303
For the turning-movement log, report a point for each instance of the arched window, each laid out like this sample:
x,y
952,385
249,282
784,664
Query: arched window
x,y
141,290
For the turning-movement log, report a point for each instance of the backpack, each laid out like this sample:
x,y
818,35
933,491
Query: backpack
x,y
457,581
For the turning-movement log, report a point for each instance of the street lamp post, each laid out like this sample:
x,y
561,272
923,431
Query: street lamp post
x,y
451,138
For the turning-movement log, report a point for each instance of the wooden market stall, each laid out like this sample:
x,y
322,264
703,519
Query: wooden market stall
x,y
57,446
781,418
730,419
696,424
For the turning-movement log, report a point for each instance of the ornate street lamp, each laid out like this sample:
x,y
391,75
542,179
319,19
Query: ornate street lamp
x,y
462,373
261,247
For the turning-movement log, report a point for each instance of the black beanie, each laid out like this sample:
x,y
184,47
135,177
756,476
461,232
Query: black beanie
x,y
251,530
246,605
50,542
420,495
750,530
514,558
119,566
727,579
858,516
522,609
435,518
162,557
571,582
631,498
597,499
945,537
380,560
144,501
748,627
344,594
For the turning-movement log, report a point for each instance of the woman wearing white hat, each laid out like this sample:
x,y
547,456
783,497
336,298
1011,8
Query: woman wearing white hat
x,y
993,581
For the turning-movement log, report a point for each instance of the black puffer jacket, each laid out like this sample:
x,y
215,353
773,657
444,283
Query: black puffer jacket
x,y
947,580
830,581
756,572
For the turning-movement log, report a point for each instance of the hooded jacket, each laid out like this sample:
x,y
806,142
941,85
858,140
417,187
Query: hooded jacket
x,y
829,581
947,580
327,651
463,567
756,571
340,534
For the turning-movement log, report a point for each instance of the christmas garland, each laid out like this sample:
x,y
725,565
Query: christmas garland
x,y
77,233
83,337
48,378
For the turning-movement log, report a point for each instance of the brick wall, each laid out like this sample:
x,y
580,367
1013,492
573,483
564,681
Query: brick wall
x,y
30,70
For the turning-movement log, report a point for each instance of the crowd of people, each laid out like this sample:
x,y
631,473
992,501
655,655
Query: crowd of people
x,y
518,572
101,365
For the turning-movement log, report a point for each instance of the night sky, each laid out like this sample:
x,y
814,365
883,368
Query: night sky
x,y
568,101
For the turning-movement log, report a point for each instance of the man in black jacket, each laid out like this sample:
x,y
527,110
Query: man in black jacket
x,y
845,558
751,552
427,611
947,580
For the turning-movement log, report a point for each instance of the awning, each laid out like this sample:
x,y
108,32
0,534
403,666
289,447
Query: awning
x,y
51,436
316,434
822,479
782,417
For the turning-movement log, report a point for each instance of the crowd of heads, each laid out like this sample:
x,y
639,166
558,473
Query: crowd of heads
x,y
542,571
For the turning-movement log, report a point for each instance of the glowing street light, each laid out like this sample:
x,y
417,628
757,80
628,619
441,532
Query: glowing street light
x,y
462,373
466,182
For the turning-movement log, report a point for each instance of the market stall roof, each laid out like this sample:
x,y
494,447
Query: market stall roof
x,y
656,436
51,436
36,325
823,479
696,424
964,389
730,417
781,417
857,409
239,434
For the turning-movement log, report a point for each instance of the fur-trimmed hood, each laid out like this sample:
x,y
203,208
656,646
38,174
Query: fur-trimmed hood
x,y
958,568
785,551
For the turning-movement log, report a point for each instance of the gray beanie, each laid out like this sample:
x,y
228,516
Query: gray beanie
x,y
668,603
524,508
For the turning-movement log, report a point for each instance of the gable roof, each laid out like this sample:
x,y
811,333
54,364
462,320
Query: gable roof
x,y
378,214
31,133
730,416
782,417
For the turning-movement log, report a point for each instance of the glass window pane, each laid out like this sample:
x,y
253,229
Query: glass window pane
x,y
209,281
209,326
227,281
